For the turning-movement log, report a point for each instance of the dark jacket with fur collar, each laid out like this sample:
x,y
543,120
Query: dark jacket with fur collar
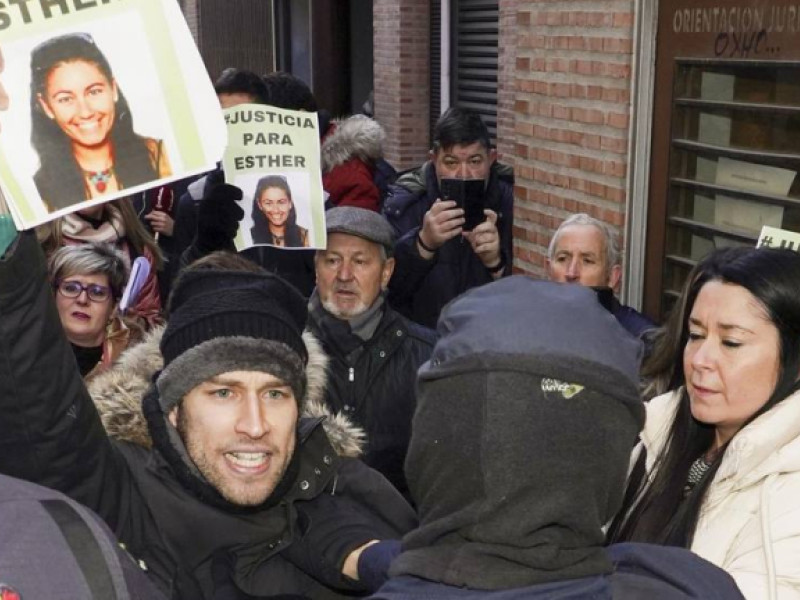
x,y
54,436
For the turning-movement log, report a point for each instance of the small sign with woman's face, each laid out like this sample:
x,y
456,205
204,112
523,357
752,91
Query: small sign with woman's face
x,y
93,116
273,157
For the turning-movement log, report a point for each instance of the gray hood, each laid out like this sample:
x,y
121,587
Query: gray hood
x,y
526,416
520,319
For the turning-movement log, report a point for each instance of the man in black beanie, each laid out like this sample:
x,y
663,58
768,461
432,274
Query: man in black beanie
x,y
527,413
239,497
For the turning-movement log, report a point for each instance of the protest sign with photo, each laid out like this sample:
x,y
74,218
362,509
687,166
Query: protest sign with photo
x,y
106,98
273,157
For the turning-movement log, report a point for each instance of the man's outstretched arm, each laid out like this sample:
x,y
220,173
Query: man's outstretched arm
x,y
52,434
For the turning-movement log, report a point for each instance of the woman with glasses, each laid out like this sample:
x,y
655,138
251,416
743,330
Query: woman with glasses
x,y
114,223
88,281
274,215
82,127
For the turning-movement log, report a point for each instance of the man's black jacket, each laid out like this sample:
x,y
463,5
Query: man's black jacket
x,y
376,386
53,436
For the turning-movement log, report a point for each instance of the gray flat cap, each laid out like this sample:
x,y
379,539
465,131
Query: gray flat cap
x,y
361,222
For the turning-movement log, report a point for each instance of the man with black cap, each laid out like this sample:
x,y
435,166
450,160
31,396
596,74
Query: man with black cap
x,y
239,497
375,353
528,410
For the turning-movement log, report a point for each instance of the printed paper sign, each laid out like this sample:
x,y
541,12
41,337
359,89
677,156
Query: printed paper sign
x,y
273,156
746,214
107,98
772,237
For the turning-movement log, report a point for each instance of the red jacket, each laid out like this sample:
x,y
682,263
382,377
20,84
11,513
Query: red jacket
x,y
351,184
349,151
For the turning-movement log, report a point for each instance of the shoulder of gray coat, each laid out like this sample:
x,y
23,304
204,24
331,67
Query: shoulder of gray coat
x,y
355,137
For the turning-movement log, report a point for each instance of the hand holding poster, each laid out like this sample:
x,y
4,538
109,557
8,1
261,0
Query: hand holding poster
x,y
93,115
273,157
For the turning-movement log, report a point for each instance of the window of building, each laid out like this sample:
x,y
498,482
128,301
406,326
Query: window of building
x,y
476,30
241,38
472,37
726,141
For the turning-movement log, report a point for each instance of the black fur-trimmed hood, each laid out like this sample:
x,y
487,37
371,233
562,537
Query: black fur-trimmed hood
x,y
118,394
355,137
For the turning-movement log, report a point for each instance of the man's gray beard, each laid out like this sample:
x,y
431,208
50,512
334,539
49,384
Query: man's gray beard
x,y
332,308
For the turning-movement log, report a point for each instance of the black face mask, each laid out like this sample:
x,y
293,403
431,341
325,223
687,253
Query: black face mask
x,y
605,295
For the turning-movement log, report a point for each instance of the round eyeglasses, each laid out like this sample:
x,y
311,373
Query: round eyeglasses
x,y
73,289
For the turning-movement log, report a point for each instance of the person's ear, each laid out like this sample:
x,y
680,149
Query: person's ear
x,y
317,258
45,107
114,90
614,277
492,155
173,416
386,272
431,155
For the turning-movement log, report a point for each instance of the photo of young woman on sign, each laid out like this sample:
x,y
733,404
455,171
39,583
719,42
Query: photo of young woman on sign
x,y
82,127
274,215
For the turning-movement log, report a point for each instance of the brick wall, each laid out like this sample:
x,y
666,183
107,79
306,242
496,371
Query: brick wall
x,y
571,112
402,82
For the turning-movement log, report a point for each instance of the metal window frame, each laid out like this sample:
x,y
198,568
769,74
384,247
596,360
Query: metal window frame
x,y
640,150
455,59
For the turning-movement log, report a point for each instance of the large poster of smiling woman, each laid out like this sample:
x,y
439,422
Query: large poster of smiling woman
x,y
104,102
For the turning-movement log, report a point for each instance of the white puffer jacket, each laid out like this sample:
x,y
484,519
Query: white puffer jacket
x,y
750,522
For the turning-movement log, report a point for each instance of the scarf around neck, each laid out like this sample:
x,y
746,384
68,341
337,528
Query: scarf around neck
x,y
350,335
111,228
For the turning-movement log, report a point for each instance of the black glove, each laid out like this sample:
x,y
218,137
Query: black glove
x,y
218,215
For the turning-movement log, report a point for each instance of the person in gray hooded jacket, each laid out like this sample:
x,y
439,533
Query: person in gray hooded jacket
x,y
526,416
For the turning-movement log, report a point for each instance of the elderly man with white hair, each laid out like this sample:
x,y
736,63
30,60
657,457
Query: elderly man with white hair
x,y
584,250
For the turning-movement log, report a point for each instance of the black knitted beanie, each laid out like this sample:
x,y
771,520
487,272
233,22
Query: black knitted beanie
x,y
232,322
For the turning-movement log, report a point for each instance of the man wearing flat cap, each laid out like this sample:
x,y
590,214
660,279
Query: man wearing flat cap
x,y
374,352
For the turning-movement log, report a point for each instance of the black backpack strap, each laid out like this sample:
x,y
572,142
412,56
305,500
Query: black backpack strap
x,y
90,557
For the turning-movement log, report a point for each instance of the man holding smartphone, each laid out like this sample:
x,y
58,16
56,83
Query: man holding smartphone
x,y
453,217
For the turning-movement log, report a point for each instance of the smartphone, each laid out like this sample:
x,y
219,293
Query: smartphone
x,y
469,195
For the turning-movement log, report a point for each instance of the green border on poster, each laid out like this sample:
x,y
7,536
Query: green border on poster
x,y
155,18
